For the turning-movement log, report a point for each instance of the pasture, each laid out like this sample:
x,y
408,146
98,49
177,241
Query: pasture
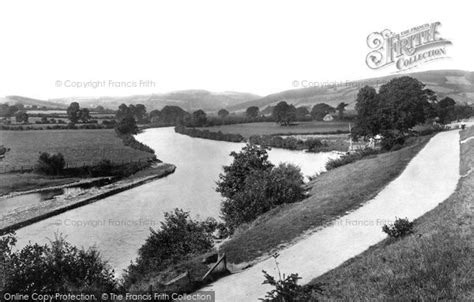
x,y
79,147
270,128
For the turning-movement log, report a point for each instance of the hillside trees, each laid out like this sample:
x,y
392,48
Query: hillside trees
x,y
284,114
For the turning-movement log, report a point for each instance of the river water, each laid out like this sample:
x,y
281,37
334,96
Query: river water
x,y
118,225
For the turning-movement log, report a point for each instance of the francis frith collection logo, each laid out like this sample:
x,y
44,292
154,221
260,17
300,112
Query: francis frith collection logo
x,y
407,49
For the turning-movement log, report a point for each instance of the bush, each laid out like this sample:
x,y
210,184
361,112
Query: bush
x,y
350,157
179,238
253,186
392,142
57,267
50,164
400,228
103,168
218,136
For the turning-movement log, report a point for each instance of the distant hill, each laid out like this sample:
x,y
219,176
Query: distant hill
x,y
15,99
454,83
189,100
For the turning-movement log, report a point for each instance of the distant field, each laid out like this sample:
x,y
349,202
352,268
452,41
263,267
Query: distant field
x,y
267,128
78,147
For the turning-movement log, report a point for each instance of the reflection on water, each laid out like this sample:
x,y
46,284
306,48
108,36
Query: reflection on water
x,y
118,225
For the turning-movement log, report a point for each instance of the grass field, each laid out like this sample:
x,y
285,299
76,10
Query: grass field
x,y
332,194
434,264
269,128
78,147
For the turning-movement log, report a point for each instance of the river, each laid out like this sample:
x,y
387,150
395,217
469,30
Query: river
x,y
118,225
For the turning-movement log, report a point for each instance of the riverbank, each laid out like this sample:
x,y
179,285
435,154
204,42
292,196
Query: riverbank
x,y
434,263
420,187
56,206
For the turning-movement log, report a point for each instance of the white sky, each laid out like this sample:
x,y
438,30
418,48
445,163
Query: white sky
x,y
249,46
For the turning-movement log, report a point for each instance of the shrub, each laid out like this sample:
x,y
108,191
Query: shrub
x,y
57,267
392,142
350,157
400,228
103,168
179,238
50,164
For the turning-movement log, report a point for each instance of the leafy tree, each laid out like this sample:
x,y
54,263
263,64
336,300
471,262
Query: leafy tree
x,y
199,118
252,112
284,113
50,164
301,113
223,113
403,103
123,112
21,117
250,158
100,109
446,110
341,107
320,110
84,115
367,107
73,112
173,115
139,113
178,238
12,110
57,267
127,125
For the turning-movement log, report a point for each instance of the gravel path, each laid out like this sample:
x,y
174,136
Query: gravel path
x,y
429,179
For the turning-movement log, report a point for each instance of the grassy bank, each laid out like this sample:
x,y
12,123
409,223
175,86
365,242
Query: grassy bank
x,y
271,128
331,195
14,182
435,263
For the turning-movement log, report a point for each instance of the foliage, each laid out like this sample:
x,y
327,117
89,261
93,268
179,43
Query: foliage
x,y
222,113
21,117
252,186
400,228
179,238
291,143
126,126
400,105
320,110
50,164
252,112
283,113
219,136
286,288
199,118
350,157
57,267
341,107
73,112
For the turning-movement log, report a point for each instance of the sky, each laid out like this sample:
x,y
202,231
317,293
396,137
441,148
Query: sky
x,y
52,49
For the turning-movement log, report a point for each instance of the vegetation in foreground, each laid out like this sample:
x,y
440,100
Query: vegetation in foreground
x,y
432,264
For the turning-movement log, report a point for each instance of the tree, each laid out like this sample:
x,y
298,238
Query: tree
x,y
140,113
73,112
50,164
446,110
403,103
21,117
301,113
367,120
173,115
123,112
100,109
84,115
341,107
178,238
252,112
251,186
320,110
199,118
127,126
283,113
223,113
55,267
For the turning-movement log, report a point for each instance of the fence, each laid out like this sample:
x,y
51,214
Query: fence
x,y
69,164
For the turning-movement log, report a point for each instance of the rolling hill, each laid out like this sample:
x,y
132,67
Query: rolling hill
x,y
15,99
454,83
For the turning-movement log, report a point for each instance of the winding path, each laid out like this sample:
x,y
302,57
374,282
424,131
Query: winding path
x,y
429,179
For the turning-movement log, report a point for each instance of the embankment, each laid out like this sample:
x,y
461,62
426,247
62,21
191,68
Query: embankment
x,y
16,220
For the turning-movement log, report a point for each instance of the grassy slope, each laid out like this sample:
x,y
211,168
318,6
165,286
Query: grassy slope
x,y
249,129
13,182
435,263
332,194
77,146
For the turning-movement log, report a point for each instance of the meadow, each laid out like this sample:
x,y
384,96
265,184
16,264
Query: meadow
x,y
271,128
79,147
